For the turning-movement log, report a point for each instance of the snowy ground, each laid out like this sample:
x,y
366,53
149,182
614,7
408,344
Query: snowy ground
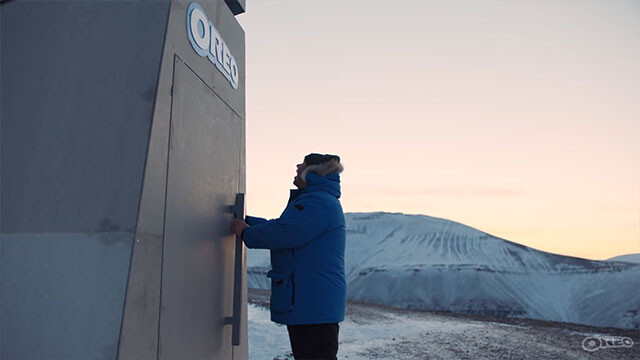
x,y
377,332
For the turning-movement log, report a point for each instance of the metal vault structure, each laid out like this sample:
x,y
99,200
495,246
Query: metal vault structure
x,y
122,146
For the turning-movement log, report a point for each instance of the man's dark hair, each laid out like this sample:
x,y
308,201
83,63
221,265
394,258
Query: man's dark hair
x,y
315,159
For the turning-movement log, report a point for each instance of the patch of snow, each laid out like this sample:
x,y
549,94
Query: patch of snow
x,y
632,258
267,340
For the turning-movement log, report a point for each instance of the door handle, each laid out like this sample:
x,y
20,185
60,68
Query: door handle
x,y
238,211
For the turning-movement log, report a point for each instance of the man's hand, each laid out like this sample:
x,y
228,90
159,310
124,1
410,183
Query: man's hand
x,y
238,226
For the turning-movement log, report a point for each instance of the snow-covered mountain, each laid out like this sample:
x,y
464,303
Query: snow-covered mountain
x,y
421,262
632,258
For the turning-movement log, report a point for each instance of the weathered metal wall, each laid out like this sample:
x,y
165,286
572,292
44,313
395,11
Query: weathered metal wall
x,y
78,86
78,81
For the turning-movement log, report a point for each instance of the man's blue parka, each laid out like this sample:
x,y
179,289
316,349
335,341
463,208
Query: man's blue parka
x,y
307,252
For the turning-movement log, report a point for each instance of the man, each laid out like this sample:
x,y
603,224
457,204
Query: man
x,y
308,287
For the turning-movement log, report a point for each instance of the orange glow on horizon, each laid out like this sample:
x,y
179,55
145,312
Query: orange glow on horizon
x,y
520,119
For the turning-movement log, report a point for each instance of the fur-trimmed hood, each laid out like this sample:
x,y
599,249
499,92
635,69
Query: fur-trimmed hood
x,y
323,169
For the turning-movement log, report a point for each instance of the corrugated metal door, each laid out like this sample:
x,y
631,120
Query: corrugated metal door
x,y
198,251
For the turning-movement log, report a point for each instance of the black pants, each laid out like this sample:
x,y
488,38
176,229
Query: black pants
x,y
317,341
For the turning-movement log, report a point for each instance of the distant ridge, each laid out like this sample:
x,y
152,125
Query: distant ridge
x,y
632,258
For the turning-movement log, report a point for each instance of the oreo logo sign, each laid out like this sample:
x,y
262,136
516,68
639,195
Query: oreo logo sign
x,y
207,42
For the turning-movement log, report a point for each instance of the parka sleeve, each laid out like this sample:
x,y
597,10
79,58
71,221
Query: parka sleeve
x,y
301,222
253,220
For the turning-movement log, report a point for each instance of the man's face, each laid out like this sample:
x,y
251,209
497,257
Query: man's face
x,y
297,181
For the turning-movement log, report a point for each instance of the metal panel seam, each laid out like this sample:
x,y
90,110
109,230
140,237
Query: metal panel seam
x,y
210,88
144,171
166,188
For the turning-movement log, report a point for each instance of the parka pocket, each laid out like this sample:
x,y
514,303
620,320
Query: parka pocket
x,y
282,291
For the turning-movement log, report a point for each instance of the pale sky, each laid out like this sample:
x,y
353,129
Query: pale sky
x,y
518,118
